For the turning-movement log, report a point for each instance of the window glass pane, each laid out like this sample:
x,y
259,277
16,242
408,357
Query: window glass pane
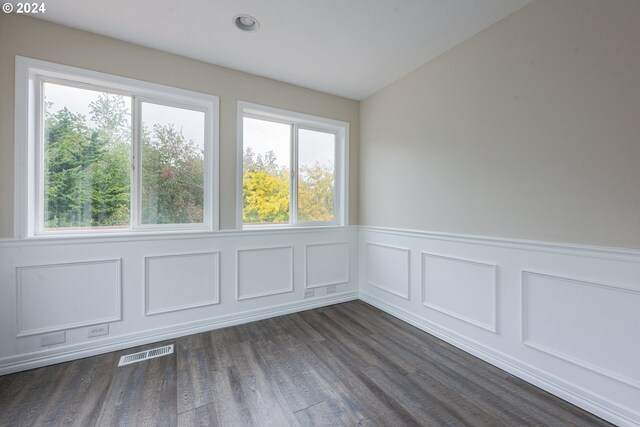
x,y
316,175
172,165
266,171
87,149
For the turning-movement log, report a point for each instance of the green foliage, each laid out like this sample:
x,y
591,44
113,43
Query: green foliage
x,y
172,176
110,115
87,170
265,191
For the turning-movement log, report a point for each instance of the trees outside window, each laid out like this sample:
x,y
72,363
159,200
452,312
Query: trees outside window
x,y
87,157
88,154
103,153
292,168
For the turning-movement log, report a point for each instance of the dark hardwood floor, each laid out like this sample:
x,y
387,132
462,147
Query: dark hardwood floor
x,y
347,364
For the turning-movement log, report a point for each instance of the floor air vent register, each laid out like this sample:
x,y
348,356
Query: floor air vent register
x,y
145,355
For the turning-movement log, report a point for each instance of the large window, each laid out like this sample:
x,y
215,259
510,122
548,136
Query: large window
x,y
106,154
293,169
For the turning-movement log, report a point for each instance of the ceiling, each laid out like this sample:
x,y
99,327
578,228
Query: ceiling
x,y
350,48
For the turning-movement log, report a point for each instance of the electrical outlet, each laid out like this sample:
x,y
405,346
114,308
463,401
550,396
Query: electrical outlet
x,y
308,293
53,339
331,289
97,331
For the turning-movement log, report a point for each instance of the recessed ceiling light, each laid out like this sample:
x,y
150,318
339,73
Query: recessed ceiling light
x,y
246,23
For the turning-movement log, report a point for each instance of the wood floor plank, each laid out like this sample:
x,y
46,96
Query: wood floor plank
x,y
290,371
297,327
195,368
31,396
338,401
330,413
230,406
258,386
80,391
86,399
198,417
357,344
374,401
12,394
419,406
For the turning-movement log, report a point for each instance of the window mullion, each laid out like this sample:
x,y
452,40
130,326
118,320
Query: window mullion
x,y
293,204
136,163
338,171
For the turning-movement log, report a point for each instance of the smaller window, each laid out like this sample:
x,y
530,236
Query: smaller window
x,y
292,168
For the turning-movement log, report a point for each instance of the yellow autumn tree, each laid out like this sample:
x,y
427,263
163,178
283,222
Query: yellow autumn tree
x,y
315,193
266,189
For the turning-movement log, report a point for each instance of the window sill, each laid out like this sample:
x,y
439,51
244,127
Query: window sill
x,y
250,227
142,236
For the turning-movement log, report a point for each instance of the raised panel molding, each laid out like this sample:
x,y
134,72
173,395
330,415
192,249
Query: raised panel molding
x,y
181,281
265,271
61,296
598,322
330,266
388,272
459,291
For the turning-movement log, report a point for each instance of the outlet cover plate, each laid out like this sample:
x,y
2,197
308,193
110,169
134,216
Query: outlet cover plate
x,y
97,331
53,339
331,289
308,293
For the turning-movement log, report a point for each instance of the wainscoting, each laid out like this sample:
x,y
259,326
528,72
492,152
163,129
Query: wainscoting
x,y
149,288
563,317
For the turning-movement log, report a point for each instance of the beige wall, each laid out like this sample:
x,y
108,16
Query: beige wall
x,y
42,40
530,129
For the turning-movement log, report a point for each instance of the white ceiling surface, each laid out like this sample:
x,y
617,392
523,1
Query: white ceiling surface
x,y
350,48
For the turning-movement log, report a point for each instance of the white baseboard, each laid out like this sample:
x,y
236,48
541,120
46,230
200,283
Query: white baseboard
x,y
64,354
595,404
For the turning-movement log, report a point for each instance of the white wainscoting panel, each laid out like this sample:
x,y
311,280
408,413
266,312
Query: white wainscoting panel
x,y
150,287
592,325
574,332
264,271
460,288
55,297
387,268
568,324
326,264
182,281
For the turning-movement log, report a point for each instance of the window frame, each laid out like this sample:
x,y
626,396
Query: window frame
x,y
29,145
306,122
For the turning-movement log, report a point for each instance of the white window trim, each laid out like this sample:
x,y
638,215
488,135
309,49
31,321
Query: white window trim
x,y
303,121
27,143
